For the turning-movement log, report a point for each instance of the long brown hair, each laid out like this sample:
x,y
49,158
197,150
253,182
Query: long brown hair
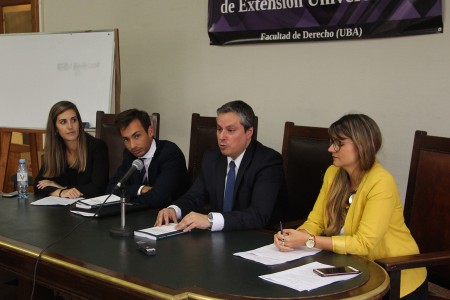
x,y
55,148
366,136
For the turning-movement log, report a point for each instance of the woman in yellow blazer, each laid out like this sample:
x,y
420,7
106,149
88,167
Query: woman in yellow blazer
x,y
358,210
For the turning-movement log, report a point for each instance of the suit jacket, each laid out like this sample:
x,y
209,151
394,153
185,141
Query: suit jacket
x,y
92,182
374,226
260,189
167,175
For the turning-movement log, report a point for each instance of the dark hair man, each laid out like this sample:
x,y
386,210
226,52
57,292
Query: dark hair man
x,y
242,181
164,176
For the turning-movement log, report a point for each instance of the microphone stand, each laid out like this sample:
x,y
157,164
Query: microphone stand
x,y
123,230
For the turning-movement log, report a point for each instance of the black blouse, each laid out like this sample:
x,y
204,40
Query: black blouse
x,y
92,182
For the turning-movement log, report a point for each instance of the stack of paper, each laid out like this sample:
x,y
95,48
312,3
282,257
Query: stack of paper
x,y
83,213
53,200
270,255
303,278
159,232
97,201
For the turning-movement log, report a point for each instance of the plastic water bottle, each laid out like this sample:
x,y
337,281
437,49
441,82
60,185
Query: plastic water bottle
x,y
22,179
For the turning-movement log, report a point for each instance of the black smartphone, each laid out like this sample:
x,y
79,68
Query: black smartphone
x,y
146,248
334,271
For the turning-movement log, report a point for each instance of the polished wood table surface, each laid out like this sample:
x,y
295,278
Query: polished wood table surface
x,y
89,262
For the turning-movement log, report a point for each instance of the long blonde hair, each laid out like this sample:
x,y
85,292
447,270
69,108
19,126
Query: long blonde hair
x,y
55,148
366,136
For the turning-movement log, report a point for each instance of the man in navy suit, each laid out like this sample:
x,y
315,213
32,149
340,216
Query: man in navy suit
x,y
164,176
259,186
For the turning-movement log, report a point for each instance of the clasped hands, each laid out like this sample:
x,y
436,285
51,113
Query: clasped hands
x,y
71,193
190,221
290,239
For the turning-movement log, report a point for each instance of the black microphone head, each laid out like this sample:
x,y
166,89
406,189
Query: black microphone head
x,y
138,164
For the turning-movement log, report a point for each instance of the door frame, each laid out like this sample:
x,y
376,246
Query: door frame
x,y
34,11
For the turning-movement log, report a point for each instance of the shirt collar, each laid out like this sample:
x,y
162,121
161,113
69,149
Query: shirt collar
x,y
151,152
237,161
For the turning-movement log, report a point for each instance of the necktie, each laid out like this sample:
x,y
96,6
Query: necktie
x,y
144,172
229,188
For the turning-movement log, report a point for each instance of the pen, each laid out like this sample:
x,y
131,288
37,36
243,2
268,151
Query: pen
x,y
281,230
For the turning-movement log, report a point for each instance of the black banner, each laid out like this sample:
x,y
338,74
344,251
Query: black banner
x,y
269,21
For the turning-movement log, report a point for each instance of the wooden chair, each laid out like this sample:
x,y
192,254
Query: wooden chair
x,y
427,214
203,137
106,130
305,158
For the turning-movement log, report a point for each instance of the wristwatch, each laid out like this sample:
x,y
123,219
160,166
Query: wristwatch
x,y
210,219
311,242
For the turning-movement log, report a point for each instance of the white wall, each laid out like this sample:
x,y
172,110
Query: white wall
x,y
169,67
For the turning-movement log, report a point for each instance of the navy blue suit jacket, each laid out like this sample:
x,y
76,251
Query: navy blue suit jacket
x,y
167,175
260,195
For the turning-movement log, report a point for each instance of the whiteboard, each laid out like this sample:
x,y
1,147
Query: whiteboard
x,y
37,70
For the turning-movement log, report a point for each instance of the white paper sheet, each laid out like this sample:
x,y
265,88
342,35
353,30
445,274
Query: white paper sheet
x,y
53,200
97,201
270,255
83,213
303,278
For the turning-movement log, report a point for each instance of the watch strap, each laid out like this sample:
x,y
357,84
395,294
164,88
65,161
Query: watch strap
x,y
210,219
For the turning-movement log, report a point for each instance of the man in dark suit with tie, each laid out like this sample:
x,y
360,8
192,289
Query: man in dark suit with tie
x,y
164,176
253,172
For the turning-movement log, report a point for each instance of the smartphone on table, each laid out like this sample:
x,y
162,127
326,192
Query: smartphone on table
x,y
334,271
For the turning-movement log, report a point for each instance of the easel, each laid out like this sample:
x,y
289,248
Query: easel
x,y
35,135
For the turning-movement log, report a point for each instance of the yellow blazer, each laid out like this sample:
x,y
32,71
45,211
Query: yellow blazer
x,y
374,227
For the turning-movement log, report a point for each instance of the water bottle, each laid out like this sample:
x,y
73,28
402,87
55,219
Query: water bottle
x,y
22,179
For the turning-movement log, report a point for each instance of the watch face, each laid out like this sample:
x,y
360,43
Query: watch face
x,y
210,217
310,242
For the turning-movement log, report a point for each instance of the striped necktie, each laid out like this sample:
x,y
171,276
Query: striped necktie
x,y
144,174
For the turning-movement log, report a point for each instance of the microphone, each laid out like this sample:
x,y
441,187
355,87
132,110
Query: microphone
x,y
136,165
125,230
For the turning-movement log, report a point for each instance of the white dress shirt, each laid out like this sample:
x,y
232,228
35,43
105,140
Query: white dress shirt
x,y
219,221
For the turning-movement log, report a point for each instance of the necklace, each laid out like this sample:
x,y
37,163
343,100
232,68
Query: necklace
x,y
350,200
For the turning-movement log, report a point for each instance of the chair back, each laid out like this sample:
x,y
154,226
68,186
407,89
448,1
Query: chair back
x,y
204,137
106,130
427,202
305,158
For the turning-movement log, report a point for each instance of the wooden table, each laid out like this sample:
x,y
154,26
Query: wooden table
x,y
199,265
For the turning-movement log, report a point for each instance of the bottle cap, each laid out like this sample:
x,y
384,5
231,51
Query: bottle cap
x,y
22,161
